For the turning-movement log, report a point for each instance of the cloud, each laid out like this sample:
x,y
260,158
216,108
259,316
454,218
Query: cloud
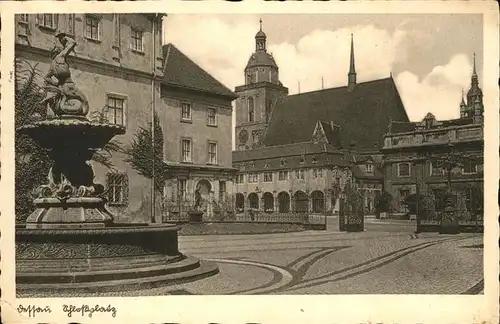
x,y
223,47
438,92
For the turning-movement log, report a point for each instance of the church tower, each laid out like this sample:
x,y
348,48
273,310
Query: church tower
x,y
258,96
474,106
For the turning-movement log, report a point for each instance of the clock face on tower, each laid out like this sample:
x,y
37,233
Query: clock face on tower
x,y
243,136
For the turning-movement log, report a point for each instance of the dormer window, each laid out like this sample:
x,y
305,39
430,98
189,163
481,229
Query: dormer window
x,y
369,168
282,162
302,159
266,164
315,160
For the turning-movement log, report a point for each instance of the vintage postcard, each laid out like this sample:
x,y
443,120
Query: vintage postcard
x,y
186,162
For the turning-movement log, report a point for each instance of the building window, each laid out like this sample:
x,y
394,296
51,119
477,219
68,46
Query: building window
x,y
46,20
302,159
212,117
255,137
136,40
240,178
283,176
23,18
268,177
369,168
222,190
186,150
469,168
23,28
266,164
71,24
403,193
299,174
314,160
317,173
251,111
186,111
181,188
435,170
253,177
115,110
404,169
116,29
212,153
117,184
92,28
268,110
282,162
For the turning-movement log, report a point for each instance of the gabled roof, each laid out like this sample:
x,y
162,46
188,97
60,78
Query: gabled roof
x,y
359,173
362,114
180,71
332,133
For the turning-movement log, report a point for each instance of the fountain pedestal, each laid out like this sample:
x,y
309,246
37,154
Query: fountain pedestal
x,y
71,244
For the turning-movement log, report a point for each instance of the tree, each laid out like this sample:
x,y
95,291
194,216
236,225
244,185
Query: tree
x,y
140,154
32,161
450,160
383,202
410,202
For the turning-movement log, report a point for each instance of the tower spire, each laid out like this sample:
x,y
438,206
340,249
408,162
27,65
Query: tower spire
x,y
260,22
474,78
351,76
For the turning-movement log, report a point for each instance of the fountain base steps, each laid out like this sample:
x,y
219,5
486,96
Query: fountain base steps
x,y
116,258
203,270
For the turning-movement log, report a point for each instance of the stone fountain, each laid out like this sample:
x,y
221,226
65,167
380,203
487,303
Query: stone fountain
x,y
71,241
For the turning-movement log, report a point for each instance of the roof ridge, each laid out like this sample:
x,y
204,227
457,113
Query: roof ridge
x,y
340,87
212,78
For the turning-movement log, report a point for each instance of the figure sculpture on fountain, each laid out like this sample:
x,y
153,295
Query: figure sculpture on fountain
x,y
63,97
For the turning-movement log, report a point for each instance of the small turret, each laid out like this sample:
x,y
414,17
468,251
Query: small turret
x,y
463,107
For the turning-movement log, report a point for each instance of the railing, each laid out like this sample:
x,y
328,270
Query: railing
x,y
432,212
178,212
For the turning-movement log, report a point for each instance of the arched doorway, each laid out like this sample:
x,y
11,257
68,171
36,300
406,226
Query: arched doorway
x,y
268,202
283,202
318,201
301,202
240,201
203,187
253,200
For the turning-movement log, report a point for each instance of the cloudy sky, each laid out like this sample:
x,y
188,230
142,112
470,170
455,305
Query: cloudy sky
x,y
429,55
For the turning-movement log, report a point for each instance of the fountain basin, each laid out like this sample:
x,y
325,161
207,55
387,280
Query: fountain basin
x,y
117,257
71,134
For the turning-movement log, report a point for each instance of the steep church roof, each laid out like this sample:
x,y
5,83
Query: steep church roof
x,y
180,71
363,114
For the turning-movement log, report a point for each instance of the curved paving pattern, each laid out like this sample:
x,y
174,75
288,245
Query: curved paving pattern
x,y
337,263
330,262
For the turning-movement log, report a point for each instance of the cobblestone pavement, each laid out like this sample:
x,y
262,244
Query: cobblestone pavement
x,y
330,262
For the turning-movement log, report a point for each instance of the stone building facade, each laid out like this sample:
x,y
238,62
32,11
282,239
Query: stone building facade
x,y
117,64
197,116
126,73
409,147
312,143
